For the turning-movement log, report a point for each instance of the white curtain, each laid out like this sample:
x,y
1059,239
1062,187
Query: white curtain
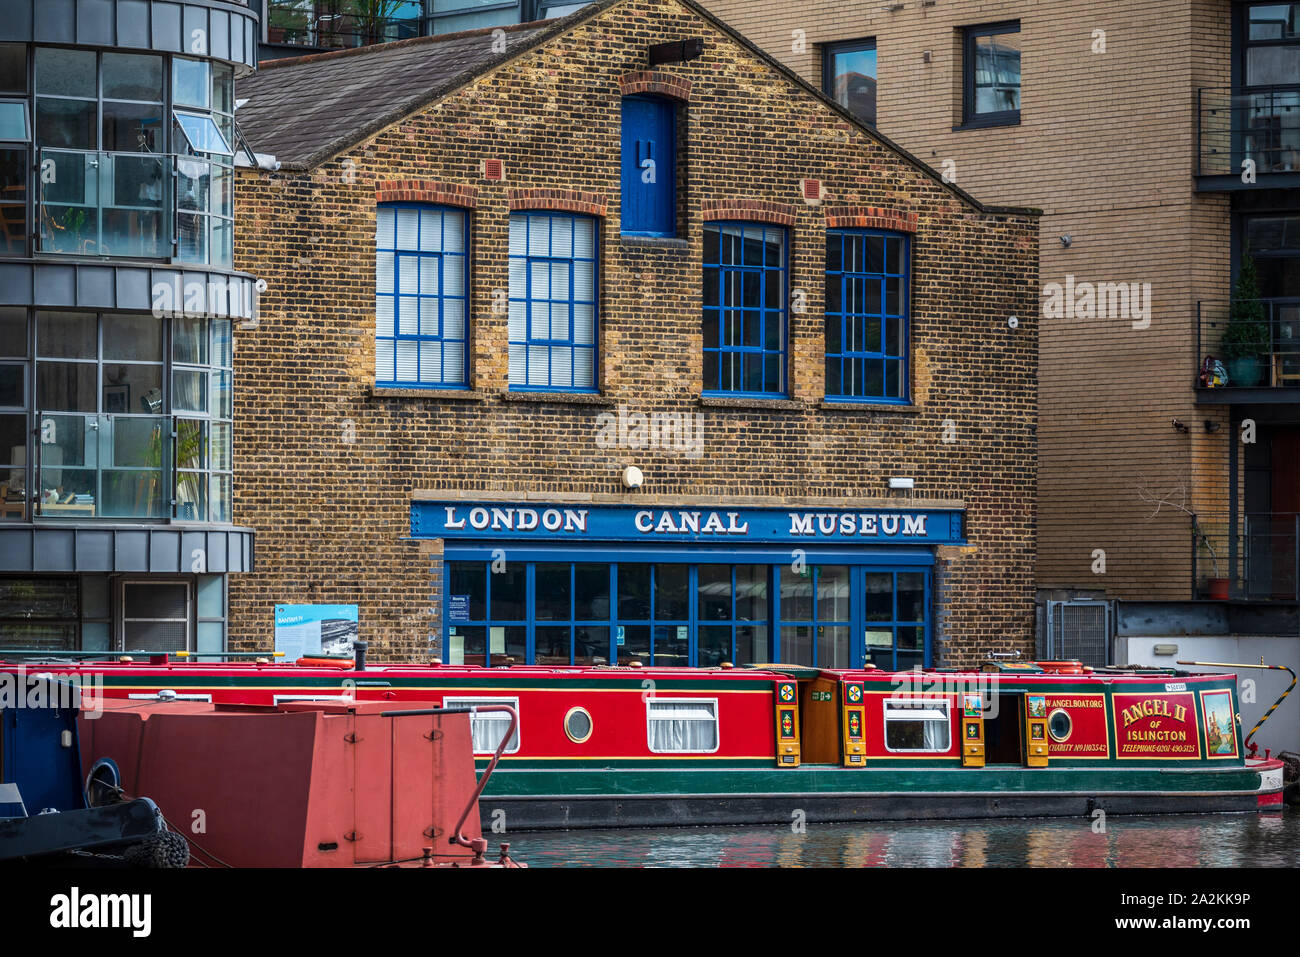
x,y
488,729
683,726
934,721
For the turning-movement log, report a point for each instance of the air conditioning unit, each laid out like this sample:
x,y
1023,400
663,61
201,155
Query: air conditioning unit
x,y
1078,630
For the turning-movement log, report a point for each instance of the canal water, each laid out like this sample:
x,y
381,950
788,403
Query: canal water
x,y
1208,840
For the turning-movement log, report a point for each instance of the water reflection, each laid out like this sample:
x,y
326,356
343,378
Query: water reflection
x,y
1211,840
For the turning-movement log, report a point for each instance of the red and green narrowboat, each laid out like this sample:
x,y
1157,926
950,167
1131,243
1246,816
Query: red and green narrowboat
x,y
627,746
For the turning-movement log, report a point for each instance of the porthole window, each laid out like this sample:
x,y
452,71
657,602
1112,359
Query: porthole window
x,y
577,725
1059,725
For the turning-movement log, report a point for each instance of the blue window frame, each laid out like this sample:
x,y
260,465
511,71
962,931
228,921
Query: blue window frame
x,y
867,307
420,296
815,615
553,314
543,610
649,178
746,269
895,613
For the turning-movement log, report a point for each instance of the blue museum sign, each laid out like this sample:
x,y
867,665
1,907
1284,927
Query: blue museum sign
x,y
567,522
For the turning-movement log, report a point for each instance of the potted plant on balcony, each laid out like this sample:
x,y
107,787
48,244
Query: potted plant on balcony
x,y
1246,338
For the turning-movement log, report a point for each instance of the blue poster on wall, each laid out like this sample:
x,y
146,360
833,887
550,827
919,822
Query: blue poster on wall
x,y
458,608
315,630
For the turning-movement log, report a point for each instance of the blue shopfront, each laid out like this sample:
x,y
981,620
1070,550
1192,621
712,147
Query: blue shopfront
x,y
583,584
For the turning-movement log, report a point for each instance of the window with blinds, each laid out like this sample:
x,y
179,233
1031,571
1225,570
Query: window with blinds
x,y
420,297
552,325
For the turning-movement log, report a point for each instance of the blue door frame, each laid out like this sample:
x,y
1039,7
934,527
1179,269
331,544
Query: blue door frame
x,y
893,561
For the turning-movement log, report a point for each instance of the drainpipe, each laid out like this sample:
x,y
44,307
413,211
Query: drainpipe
x,y
1234,421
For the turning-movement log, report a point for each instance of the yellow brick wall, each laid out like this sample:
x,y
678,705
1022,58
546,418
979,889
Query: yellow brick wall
x,y
1106,148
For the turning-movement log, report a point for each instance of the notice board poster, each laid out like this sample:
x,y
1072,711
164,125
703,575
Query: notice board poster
x,y
302,630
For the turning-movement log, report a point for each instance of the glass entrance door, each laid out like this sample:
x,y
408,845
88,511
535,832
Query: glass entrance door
x,y
566,613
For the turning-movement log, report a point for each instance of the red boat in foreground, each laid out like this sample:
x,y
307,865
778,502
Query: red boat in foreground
x,y
299,784
617,746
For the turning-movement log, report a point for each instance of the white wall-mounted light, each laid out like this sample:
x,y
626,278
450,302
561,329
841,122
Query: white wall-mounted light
x,y
1165,650
633,477
902,483
1012,322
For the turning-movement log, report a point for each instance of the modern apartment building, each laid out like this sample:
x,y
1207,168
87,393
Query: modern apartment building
x,y
574,352
118,300
1162,141
294,27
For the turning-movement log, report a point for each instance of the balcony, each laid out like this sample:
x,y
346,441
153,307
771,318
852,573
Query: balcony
x,y
134,206
1256,561
1261,125
1257,347
127,468
292,26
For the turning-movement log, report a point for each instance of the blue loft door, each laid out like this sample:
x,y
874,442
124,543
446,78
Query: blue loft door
x,y
649,168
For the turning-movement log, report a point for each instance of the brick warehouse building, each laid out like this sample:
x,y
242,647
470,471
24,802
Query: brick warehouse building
x,y
565,356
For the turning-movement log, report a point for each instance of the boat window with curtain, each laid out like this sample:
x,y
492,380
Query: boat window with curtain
x,y
917,725
488,729
682,725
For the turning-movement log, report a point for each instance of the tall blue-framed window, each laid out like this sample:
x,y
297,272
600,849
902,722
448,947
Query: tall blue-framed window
x,y
420,296
674,613
746,271
867,307
553,314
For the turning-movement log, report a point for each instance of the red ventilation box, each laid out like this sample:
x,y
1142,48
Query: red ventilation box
x,y
494,169
812,191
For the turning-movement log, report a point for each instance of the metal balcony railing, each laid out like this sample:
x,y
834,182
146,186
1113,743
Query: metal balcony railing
x,y
1260,565
1257,343
337,30
1261,124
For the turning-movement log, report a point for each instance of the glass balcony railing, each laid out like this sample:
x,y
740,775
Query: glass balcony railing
x,y
126,467
106,204
1262,563
104,466
1261,125
1248,343
294,26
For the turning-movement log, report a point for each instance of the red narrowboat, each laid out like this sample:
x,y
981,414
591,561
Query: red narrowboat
x,y
626,746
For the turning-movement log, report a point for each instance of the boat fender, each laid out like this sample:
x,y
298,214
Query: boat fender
x,y
1061,667
342,664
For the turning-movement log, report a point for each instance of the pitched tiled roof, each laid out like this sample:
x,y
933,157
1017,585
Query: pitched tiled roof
x,y
309,109
306,109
